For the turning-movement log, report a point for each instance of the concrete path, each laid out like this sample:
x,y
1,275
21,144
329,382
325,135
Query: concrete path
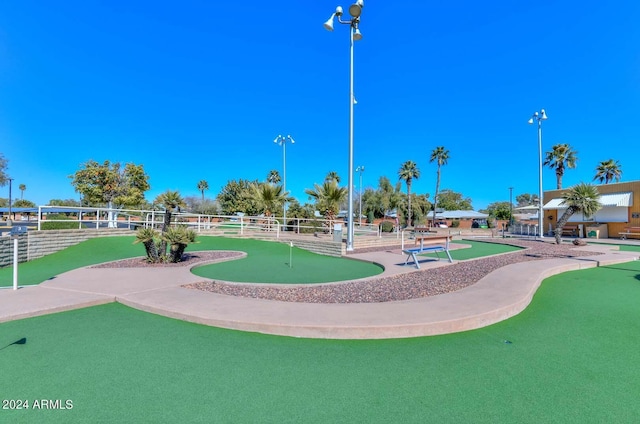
x,y
498,296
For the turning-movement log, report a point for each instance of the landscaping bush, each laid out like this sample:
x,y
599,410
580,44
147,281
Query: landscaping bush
x,y
386,226
370,217
455,223
67,225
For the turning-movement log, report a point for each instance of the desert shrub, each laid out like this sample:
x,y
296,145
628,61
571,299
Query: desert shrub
x,y
455,223
386,226
66,225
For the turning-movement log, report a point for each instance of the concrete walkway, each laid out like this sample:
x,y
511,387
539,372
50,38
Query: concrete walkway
x,y
498,296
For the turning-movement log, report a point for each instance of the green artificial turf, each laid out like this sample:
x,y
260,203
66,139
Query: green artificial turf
x,y
629,247
478,249
89,252
570,357
268,262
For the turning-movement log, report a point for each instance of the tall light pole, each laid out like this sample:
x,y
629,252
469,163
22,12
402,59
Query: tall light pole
x,y
354,35
282,141
542,116
510,206
9,222
360,169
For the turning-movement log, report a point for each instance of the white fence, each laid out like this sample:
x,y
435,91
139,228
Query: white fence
x,y
99,218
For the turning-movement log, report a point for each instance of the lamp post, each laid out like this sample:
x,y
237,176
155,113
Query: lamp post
x,y
542,116
9,222
282,141
360,169
510,206
354,35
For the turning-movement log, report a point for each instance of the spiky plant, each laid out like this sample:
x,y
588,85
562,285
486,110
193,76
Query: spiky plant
x,y
147,237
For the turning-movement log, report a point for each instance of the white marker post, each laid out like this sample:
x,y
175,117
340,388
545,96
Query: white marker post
x,y
15,262
15,234
290,253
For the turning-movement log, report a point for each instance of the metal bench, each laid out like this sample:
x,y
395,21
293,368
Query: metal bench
x,y
430,248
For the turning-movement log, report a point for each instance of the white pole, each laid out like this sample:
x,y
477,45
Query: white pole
x,y
540,211
290,253
15,263
350,168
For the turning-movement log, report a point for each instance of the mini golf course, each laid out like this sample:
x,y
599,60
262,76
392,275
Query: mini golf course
x,y
570,357
478,249
266,262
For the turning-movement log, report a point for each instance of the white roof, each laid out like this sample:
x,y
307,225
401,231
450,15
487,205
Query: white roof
x,y
606,200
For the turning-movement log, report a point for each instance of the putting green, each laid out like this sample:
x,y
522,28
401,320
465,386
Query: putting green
x,y
268,262
568,358
478,249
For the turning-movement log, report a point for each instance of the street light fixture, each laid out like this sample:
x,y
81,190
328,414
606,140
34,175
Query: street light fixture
x,y
282,141
354,35
360,169
542,116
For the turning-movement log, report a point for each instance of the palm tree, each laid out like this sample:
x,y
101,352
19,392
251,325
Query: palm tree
x,y
22,188
269,197
440,156
408,171
560,157
608,170
273,177
328,197
202,186
332,176
171,200
178,238
579,198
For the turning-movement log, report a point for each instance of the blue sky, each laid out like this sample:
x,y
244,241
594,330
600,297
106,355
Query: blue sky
x,y
199,89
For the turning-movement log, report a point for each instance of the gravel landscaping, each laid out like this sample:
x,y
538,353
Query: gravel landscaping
x,y
399,287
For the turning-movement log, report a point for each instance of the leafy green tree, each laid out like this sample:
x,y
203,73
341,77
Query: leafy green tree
x,y
4,202
440,156
608,170
407,173
526,199
63,202
384,199
22,203
451,201
328,197
499,210
236,196
579,198
4,164
560,157
296,210
273,177
111,184
203,185
22,188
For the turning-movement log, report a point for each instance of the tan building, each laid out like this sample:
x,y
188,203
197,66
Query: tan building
x,y
620,210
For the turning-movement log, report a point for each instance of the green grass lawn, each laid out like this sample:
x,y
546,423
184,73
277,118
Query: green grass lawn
x,y
572,358
478,249
266,262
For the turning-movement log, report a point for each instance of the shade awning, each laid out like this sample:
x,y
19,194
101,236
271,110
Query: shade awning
x,y
606,200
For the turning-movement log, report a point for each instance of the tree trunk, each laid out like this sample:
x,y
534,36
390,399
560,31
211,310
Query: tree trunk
x,y
162,250
435,198
559,173
152,251
409,218
562,222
